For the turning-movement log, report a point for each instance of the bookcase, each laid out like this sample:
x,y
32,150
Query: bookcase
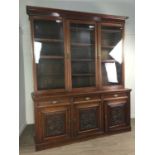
x,y
78,72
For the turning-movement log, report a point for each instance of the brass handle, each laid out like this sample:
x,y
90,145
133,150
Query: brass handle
x,y
115,95
87,98
54,102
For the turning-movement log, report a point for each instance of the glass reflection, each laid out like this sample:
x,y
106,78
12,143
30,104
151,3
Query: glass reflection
x,y
116,52
111,72
111,55
37,51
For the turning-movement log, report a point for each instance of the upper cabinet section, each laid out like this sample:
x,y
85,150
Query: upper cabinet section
x,y
48,37
111,53
82,49
76,51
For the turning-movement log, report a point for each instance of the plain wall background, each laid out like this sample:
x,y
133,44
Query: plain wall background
x,y
119,7
22,111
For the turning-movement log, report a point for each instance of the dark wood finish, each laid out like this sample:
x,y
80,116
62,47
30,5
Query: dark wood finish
x,y
87,119
116,113
40,11
49,119
68,114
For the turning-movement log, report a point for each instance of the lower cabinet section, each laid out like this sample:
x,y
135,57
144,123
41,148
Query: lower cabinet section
x,y
77,117
53,124
117,115
87,119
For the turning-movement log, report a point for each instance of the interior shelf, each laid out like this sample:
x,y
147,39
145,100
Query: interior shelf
x,y
51,57
83,74
108,61
81,29
48,40
107,46
82,60
82,44
111,31
51,75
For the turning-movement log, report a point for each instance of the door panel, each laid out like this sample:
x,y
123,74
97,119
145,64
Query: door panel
x,y
110,48
87,118
116,114
49,54
82,47
54,123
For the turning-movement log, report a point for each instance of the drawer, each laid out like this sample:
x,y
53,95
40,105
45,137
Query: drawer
x,y
53,101
115,95
86,98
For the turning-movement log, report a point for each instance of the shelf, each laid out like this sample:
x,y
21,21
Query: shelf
x,y
81,29
108,61
82,44
51,57
43,75
108,46
83,74
48,40
111,31
83,60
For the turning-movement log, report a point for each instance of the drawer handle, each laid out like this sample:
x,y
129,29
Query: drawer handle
x,y
115,95
54,102
87,98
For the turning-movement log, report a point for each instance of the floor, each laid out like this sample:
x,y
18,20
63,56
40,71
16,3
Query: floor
x,y
119,144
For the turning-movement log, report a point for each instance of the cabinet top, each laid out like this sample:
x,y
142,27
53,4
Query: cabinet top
x,y
42,11
69,94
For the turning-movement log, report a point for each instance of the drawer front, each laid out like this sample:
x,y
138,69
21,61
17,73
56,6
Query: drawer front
x,y
86,98
53,101
115,95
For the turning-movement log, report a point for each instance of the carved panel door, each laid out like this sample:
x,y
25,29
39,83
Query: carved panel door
x,y
117,115
55,123
87,119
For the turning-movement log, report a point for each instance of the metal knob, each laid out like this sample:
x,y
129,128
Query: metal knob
x,y
54,102
115,95
87,98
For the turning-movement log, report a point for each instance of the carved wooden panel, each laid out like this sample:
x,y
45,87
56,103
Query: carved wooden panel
x,y
55,124
117,115
88,118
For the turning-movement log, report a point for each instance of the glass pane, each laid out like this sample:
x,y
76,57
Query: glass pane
x,y
83,52
50,74
48,29
83,67
49,54
83,81
52,48
83,55
111,55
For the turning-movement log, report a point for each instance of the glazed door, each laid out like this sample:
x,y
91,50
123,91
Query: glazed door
x,y
110,48
82,46
49,54
117,115
53,123
87,119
